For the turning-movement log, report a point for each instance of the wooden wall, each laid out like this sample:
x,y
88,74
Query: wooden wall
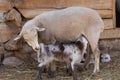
x,y
33,4
31,8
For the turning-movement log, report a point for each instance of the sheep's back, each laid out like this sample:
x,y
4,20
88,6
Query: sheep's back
x,y
69,24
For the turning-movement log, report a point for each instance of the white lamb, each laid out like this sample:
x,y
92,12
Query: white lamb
x,y
71,53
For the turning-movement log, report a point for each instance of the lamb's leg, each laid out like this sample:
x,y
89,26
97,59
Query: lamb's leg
x,y
40,73
52,70
68,69
40,70
74,71
41,67
97,60
38,55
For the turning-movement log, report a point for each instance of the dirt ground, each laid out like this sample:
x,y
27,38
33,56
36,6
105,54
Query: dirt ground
x,y
109,71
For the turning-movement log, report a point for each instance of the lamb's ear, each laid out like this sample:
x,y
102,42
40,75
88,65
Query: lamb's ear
x,y
40,29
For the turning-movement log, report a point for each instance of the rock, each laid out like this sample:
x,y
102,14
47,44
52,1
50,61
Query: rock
x,y
12,61
8,53
34,56
2,19
1,50
1,54
13,45
26,48
24,52
7,32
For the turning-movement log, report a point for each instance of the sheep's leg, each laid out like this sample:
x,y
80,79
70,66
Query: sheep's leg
x,y
93,39
97,60
88,57
87,60
73,70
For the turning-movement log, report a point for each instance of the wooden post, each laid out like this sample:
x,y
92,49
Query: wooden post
x,y
114,13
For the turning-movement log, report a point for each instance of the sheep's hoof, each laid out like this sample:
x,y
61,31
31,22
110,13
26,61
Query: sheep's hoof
x,y
95,73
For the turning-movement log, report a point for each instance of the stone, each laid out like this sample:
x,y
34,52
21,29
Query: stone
x,y
8,53
7,32
34,56
2,19
13,45
12,61
1,54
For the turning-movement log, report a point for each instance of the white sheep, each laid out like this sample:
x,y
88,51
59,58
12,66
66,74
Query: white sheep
x,y
65,25
70,53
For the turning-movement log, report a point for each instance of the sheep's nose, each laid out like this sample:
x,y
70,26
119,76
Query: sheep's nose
x,y
36,48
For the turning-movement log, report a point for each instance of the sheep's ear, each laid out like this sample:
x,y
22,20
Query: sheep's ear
x,y
40,29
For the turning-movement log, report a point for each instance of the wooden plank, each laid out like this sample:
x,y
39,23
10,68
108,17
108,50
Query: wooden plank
x,y
32,4
108,23
114,13
30,13
105,13
110,34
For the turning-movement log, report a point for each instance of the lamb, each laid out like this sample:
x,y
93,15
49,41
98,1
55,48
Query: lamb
x,y
64,26
70,53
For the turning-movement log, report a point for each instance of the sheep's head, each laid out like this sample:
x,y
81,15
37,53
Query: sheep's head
x,y
30,35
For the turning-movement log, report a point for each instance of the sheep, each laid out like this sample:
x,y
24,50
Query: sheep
x,y
64,26
69,53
